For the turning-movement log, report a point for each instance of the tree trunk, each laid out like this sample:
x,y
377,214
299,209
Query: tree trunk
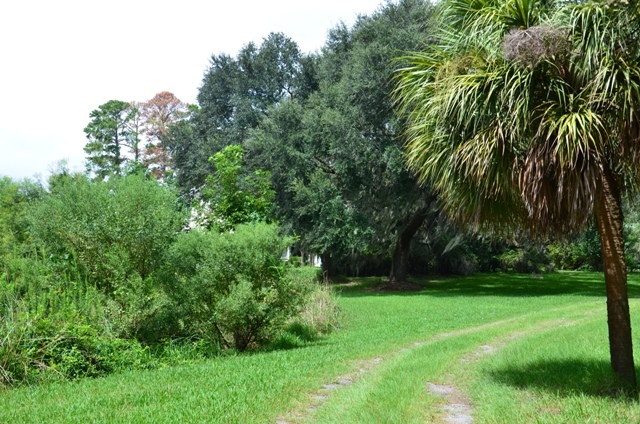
x,y
326,267
608,213
400,260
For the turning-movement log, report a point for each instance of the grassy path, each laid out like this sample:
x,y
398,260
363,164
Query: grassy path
x,y
406,385
503,348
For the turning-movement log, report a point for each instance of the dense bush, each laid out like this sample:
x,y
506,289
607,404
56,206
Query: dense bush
x,y
110,235
15,198
98,277
76,285
46,346
525,260
112,230
230,287
579,253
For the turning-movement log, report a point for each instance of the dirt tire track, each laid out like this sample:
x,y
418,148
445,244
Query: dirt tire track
x,y
457,409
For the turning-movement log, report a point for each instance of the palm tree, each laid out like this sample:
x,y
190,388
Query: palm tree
x,y
526,113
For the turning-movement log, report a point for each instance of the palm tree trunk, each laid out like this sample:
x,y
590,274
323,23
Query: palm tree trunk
x,y
608,213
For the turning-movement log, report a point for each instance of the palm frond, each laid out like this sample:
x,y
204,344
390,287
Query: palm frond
x,y
505,139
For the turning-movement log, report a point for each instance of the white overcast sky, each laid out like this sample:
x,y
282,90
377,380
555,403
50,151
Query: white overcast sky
x,y
60,59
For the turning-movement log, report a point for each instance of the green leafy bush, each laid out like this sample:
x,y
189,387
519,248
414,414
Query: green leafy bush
x,y
37,348
580,253
112,230
233,197
76,296
583,252
110,235
230,287
530,259
14,200
294,261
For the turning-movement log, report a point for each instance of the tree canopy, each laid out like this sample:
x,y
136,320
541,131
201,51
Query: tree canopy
x,y
108,133
347,133
158,115
231,197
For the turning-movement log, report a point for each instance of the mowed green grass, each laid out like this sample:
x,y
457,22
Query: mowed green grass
x,y
548,362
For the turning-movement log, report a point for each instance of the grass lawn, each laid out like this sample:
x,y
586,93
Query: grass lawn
x,y
499,348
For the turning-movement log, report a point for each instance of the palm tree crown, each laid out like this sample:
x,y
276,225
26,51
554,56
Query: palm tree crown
x,y
519,105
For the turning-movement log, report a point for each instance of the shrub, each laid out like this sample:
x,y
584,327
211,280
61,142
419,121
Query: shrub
x,y
14,200
230,287
295,261
580,253
111,236
530,259
110,230
54,325
37,348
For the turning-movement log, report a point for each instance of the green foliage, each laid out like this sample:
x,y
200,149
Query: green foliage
x,y
232,198
235,95
510,140
111,236
55,325
108,132
583,252
320,117
531,259
230,287
328,222
59,342
190,150
111,230
632,233
295,261
579,253
335,156
15,197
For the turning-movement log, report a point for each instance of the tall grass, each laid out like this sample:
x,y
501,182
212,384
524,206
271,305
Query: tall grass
x,y
320,311
14,365
56,326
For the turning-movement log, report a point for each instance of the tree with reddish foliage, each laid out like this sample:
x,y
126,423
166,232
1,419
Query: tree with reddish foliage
x,y
159,113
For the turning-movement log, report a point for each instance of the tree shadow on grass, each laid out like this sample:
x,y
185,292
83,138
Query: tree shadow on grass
x,y
497,284
570,377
